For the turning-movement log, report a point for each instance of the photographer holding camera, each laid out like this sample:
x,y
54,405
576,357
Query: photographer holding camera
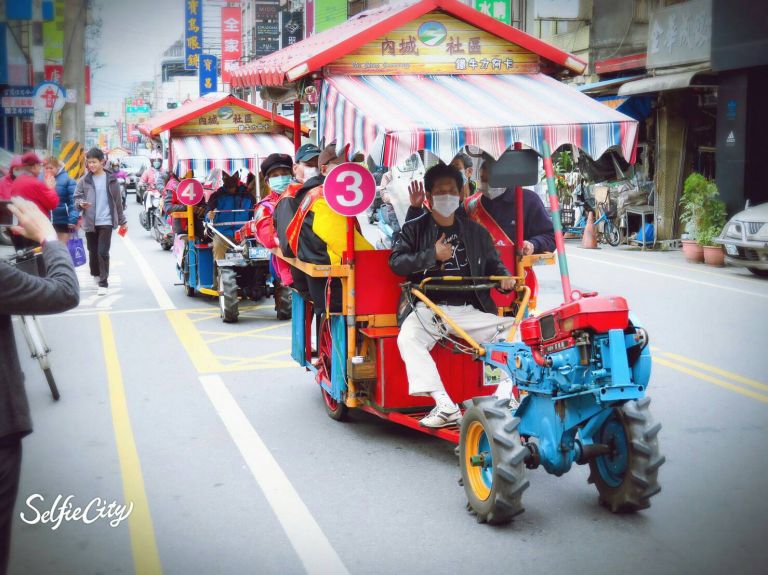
x,y
25,294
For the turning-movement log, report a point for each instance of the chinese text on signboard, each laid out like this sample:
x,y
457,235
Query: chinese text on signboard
x,y
225,120
231,50
207,74
501,10
193,33
437,44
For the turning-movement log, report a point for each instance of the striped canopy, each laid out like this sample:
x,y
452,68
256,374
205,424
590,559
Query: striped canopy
x,y
391,117
230,152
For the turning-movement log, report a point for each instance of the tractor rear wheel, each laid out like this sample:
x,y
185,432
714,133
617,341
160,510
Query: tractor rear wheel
x,y
492,460
228,295
627,477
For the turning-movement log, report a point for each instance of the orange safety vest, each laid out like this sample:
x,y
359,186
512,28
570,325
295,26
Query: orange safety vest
x,y
294,228
505,246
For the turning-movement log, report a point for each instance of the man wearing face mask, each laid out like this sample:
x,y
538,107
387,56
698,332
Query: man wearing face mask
x,y
436,244
318,235
495,208
228,208
463,163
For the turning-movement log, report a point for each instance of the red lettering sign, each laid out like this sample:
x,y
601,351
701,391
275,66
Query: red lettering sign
x,y
231,37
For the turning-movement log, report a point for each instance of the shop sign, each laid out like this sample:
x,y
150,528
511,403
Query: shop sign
x,y
225,120
500,10
680,34
329,13
267,10
231,37
193,33
17,101
291,27
207,74
436,43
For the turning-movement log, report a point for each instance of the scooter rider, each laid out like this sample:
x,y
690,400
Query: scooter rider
x,y
436,244
153,175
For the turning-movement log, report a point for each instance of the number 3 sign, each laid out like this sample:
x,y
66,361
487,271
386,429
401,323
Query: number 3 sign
x,y
349,189
189,192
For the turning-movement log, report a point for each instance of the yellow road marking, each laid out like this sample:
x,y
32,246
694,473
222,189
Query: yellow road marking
x,y
223,336
727,374
143,546
710,379
205,361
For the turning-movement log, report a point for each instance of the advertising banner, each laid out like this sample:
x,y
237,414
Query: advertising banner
x,y
329,13
53,35
291,28
436,43
17,101
207,74
193,33
231,38
225,120
500,10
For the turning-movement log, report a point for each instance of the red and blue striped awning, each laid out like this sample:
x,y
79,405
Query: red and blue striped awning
x,y
391,117
230,152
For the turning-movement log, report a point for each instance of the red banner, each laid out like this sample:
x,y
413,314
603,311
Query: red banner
x,y
55,73
231,38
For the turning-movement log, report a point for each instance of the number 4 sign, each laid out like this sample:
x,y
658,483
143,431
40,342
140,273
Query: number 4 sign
x,y
189,192
349,189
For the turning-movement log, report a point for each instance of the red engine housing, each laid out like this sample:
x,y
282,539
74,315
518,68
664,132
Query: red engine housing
x,y
594,313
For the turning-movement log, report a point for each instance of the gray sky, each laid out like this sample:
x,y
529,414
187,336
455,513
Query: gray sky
x,y
134,34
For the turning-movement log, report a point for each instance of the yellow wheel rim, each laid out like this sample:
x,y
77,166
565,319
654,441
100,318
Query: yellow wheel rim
x,y
480,476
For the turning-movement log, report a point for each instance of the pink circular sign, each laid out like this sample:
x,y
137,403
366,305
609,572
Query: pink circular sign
x,y
349,189
189,192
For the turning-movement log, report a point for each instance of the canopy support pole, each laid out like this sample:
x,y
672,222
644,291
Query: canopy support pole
x,y
296,125
519,226
555,208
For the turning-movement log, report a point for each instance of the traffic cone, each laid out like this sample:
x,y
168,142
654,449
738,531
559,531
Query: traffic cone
x,y
589,239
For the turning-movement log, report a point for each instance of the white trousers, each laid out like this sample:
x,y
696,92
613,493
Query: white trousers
x,y
420,331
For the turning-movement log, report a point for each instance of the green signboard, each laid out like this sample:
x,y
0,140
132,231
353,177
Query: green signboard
x,y
53,35
501,10
329,13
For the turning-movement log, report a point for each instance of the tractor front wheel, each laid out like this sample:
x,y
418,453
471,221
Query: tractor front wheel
x,y
492,460
228,295
627,477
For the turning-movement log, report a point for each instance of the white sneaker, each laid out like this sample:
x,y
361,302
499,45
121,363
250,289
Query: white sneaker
x,y
438,417
95,281
102,291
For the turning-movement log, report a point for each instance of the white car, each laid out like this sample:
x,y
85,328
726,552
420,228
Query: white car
x,y
745,238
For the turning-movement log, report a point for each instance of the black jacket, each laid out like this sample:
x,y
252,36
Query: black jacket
x,y
24,294
286,209
413,253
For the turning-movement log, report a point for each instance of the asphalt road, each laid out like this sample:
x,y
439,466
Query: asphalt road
x,y
221,445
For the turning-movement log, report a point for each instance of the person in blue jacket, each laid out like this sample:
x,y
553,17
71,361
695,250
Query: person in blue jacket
x,y
228,209
64,217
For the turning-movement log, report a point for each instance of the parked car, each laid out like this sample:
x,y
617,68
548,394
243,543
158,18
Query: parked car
x,y
745,238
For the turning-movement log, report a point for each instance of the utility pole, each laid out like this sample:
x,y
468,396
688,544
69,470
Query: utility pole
x,y
73,115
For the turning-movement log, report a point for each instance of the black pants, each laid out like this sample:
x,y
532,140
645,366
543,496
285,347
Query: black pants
x,y
317,287
10,470
99,242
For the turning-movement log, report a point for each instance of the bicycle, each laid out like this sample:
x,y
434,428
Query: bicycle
x,y
609,233
31,262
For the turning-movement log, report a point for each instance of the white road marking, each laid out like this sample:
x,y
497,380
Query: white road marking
x,y
310,543
718,286
162,297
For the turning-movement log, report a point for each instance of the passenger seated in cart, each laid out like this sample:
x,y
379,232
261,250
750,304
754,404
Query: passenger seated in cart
x,y
276,169
436,244
228,209
463,163
307,176
172,204
318,235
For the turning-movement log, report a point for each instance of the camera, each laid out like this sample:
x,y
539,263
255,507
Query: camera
x,y
7,218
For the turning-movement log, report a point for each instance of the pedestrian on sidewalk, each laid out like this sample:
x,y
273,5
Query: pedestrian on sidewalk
x,y
21,294
65,216
98,197
28,185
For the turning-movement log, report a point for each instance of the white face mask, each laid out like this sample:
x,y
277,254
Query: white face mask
x,y
445,204
310,172
493,193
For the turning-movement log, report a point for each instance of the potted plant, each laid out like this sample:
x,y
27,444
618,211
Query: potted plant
x,y
712,221
695,191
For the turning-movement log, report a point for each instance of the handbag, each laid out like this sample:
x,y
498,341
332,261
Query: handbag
x,y
76,251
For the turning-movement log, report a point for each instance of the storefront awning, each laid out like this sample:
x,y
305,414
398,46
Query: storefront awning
x,y
607,84
229,152
391,117
660,83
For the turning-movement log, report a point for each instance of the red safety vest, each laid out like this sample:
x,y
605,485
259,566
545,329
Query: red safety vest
x,y
505,246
